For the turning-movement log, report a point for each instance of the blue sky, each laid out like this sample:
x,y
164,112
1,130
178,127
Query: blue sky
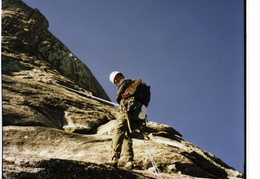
x,y
191,53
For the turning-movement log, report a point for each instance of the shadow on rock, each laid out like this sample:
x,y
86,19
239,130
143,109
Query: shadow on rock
x,y
60,169
203,165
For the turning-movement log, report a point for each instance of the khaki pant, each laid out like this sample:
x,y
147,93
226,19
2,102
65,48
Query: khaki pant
x,y
122,139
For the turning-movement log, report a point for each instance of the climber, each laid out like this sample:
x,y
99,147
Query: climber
x,y
133,96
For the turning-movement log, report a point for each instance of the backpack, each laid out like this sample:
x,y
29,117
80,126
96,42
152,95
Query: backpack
x,y
139,90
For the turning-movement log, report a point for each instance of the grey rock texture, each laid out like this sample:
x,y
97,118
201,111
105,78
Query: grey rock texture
x,y
29,70
51,132
45,152
25,30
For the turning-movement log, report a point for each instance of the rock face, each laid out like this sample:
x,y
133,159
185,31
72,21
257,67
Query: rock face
x,y
25,32
50,132
33,59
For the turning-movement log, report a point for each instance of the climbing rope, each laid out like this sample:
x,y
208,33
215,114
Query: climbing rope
x,y
159,176
88,95
156,169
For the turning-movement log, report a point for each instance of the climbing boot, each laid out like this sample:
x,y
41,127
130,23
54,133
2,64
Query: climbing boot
x,y
129,165
112,163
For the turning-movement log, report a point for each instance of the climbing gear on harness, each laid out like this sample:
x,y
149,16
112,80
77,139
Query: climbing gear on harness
x,y
88,95
123,109
139,90
128,123
137,110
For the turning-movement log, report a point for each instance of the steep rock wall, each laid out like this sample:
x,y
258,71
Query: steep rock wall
x,y
32,61
25,30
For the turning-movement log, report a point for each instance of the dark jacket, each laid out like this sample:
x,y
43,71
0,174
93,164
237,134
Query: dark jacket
x,y
124,83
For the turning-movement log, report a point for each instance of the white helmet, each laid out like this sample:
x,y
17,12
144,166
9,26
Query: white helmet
x,y
113,75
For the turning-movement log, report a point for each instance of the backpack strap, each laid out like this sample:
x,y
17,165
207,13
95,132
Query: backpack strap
x,y
130,90
126,92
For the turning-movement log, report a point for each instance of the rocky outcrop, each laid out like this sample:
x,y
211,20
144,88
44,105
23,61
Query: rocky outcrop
x,y
25,31
51,132
33,151
32,61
